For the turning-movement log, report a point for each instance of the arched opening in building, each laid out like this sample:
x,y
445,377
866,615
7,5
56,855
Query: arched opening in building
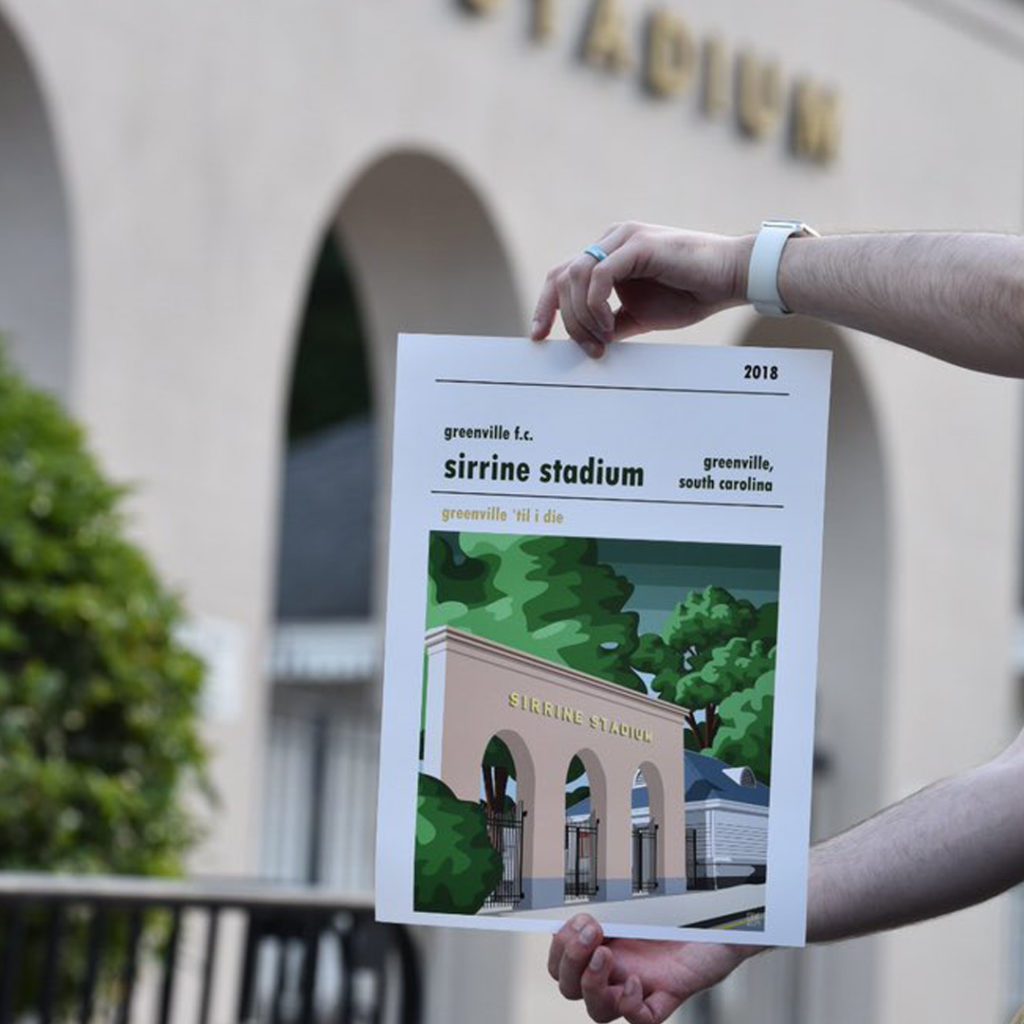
x,y
853,658
410,246
647,816
506,794
35,242
584,808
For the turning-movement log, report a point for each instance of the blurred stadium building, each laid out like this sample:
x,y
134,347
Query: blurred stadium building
x,y
214,219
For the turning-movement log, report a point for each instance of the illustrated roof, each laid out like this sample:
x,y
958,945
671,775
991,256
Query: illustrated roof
x,y
706,779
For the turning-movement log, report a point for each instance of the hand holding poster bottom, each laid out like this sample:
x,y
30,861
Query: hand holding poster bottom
x,y
601,638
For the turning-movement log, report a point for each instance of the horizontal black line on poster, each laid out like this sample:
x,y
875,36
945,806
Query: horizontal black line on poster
x,y
611,387
588,497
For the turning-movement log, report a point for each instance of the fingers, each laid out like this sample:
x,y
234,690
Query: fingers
x,y
637,1010
571,950
558,941
569,288
547,306
579,322
600,996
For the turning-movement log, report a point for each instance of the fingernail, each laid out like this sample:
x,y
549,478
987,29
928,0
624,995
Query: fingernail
x,y
534,328
578,922
631,986
597,961
588,934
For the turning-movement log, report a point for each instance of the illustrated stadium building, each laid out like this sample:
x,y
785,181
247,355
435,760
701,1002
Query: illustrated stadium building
x,y
726,815
547,716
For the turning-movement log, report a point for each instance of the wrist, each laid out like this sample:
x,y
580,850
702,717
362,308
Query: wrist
x,y
742,246
794,257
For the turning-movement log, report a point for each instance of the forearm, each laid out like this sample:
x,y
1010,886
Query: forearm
x,y
953,844
959,297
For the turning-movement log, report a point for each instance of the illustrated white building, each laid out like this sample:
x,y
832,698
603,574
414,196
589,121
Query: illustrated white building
x,y
726,818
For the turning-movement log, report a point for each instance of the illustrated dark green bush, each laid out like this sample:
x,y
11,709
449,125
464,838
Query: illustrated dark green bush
x,y
99,703
456,865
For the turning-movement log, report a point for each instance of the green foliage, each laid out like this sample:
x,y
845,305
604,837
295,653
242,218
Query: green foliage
x,y
576,796
705,620
745,734
548,596
497,755
735,666
98,702
712,645
456,867
767,626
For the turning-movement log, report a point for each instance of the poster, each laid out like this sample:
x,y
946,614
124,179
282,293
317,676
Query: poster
x,y
601,637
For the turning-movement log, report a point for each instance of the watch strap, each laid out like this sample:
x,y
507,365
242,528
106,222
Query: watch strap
x,y
763,273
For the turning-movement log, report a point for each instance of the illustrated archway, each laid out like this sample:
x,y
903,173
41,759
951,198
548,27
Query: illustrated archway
x,y
507,788
648,830
36,287
585,838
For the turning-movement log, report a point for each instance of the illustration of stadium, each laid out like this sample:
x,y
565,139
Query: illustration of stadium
x,y
596,729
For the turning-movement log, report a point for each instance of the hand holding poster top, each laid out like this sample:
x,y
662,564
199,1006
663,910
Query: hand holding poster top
x,y
602,638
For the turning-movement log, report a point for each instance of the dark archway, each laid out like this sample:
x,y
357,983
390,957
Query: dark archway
x,y
36,282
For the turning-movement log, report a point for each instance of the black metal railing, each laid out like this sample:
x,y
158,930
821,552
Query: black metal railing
x,y
506,834
581,858
694,873
122,950
645,858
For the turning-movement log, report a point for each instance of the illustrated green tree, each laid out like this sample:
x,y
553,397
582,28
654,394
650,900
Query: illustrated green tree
x,y
548,596
744,736
456,867
696,661
734,667
99,703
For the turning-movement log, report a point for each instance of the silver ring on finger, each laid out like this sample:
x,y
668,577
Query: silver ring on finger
x,y
597,252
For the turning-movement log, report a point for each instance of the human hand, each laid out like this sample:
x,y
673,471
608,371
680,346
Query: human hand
x,y
664,278
641,980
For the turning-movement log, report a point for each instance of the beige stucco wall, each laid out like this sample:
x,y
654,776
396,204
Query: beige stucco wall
x,y
204,148
477,689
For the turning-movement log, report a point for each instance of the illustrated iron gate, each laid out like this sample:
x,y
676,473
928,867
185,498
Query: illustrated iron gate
x,y
506,835
581,858
645,857
692,881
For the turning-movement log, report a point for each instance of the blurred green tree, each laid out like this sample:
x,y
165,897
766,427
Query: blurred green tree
x,y
99,703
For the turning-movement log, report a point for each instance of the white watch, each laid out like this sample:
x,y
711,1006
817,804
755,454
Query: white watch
x,y
763,274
